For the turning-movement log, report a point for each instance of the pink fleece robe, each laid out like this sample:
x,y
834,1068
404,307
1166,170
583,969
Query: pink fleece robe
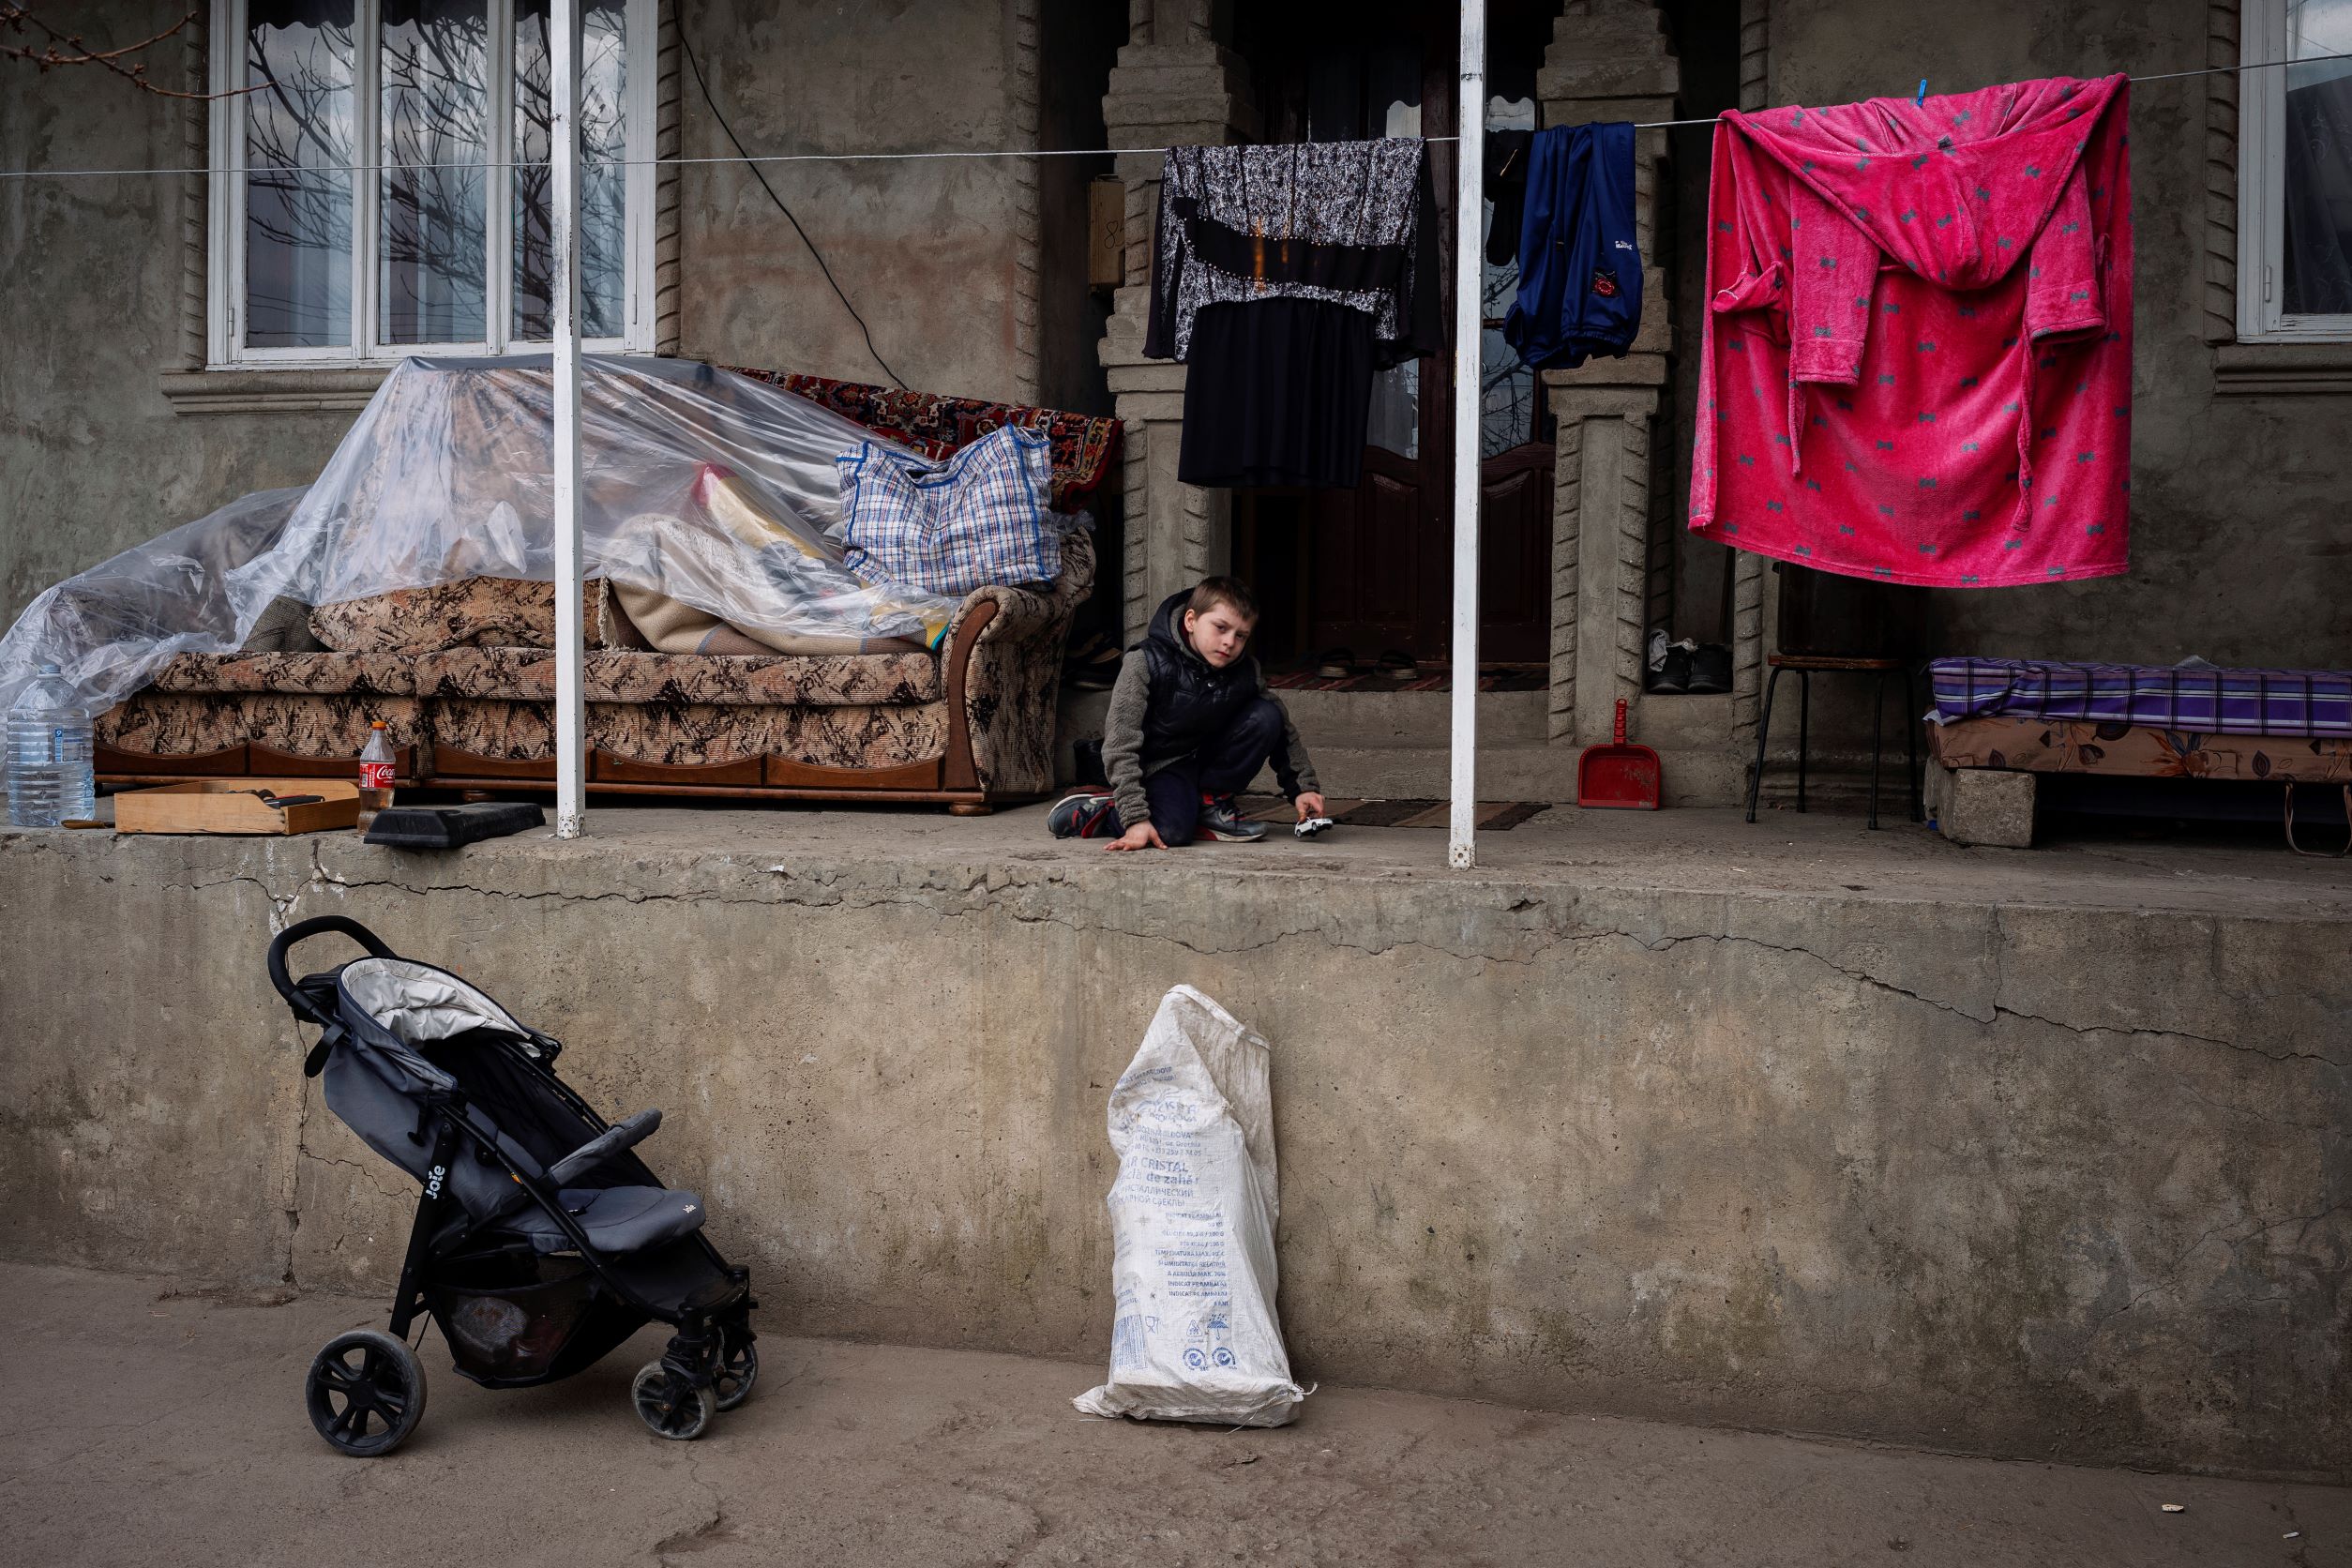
x,y
1917,363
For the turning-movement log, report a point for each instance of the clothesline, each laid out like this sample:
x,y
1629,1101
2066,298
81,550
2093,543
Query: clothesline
x,y
901,158
2160,76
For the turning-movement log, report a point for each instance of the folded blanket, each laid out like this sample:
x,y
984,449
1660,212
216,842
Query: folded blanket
x,y
671,628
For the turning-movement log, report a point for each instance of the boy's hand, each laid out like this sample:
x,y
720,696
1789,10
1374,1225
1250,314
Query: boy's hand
x,y
1310,805
1143,835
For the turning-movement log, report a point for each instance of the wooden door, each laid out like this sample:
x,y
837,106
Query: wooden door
x,y
1373,565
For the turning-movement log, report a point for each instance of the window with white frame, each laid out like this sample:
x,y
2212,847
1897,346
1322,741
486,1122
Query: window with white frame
x,y
2295,172
381,184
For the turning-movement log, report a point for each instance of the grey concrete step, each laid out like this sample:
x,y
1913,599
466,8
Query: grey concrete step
x,y
1391,746
1411,717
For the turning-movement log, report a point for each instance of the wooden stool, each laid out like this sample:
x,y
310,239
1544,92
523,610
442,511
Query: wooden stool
x,y
1806,666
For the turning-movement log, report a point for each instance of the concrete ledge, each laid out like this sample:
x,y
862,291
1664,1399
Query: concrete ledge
x,y
294,389
1815,1129
2272,370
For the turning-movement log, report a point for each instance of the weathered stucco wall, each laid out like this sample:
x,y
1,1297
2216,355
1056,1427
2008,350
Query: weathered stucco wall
x,y
925,249
2027,1179
93,458
2241,545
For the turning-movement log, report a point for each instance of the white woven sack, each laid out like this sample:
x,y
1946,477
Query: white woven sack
x,y
1194,1335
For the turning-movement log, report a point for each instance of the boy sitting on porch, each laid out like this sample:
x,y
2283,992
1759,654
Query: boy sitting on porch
x,y
1191,723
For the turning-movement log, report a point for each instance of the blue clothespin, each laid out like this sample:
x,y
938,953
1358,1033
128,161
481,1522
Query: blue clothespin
x,y
1919,99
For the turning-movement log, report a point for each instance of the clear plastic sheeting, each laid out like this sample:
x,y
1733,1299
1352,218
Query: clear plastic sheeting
x,y
697,484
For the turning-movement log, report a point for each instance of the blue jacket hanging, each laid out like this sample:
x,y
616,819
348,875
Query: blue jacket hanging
x,y
1580,265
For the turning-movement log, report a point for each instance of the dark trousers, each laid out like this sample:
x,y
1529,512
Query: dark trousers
x,y
1225,764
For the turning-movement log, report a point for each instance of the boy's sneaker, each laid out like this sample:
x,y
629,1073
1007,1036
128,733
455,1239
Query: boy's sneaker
x,y
1221,819
1079,815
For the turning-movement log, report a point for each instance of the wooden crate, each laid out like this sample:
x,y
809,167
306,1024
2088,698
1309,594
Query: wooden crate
x,y
235,805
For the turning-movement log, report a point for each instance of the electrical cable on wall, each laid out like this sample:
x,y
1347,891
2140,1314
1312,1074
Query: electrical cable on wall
x,y
818,255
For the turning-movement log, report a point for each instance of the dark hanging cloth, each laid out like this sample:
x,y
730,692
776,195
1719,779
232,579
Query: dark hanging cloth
x,y
1279,393
1580,263
1505,181
1335,244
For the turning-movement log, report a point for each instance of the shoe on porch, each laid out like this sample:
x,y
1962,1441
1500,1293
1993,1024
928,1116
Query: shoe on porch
x,y
1080,814
1221,819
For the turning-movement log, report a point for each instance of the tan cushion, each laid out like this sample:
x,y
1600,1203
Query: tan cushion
x,y
382,674
474,612
612,675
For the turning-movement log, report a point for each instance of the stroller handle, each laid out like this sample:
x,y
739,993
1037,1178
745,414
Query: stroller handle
x,y
304,930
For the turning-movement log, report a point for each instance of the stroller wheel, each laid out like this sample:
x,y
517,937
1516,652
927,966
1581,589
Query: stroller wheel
x,y
738,1369
366,1392
669,1409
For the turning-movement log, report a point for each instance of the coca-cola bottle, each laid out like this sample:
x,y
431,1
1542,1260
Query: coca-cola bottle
x,y
375,776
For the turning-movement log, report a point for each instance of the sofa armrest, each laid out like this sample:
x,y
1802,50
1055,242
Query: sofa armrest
x,y
1035,610
1004,655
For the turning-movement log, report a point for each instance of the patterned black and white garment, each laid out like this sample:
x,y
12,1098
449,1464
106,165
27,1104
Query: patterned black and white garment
x,y
1284,275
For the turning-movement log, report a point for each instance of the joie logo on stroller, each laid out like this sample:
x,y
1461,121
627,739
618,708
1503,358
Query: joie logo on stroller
x,y
541,1241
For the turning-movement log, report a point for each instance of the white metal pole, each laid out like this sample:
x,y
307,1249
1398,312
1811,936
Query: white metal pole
x,y
571,763
1468,293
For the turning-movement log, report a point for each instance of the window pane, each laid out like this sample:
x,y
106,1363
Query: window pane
x,y
1506,401
298,183
2316,274
436,110
1395,421
603,177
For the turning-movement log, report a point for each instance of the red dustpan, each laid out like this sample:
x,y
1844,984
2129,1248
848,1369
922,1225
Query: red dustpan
x,y
1619,774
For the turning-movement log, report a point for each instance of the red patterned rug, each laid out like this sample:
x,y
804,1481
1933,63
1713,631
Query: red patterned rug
x,y
936,425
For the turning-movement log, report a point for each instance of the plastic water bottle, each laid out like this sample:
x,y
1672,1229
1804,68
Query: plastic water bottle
x,y
375,776
50,776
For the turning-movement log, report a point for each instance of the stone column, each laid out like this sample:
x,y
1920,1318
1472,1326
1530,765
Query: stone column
x,y
1608,60
1749,612
1175,84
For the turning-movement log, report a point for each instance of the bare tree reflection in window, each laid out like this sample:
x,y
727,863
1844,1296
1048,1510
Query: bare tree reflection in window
x,y
1506,401
2316,275
603,177
432,246
298,142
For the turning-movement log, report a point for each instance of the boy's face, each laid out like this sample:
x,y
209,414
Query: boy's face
x,y
1219,635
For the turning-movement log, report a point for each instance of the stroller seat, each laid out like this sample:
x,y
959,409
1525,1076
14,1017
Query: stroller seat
x,y
617,1219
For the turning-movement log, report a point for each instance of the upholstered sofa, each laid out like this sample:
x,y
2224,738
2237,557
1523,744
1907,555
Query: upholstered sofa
x,y
969,725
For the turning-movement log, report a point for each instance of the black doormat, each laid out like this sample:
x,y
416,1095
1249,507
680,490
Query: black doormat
x,y
1493,816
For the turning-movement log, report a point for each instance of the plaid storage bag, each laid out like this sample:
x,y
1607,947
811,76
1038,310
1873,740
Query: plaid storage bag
x,y
978,517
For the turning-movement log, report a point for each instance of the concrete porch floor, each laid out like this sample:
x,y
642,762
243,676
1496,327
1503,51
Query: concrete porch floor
x,y
1827,853
139,1425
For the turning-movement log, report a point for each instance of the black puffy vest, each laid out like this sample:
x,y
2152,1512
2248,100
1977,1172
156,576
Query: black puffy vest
x,y
1192,702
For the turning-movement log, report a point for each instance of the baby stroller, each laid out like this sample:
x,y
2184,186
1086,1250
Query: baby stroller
x,y
541,1242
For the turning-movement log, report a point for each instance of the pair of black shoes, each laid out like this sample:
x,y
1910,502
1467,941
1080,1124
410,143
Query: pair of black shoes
x,y
1699,670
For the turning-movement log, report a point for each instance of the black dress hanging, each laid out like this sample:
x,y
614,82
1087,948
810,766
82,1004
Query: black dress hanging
x,y
1284,275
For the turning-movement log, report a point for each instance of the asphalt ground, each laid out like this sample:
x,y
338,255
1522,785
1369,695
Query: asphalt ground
x,y
139,1424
